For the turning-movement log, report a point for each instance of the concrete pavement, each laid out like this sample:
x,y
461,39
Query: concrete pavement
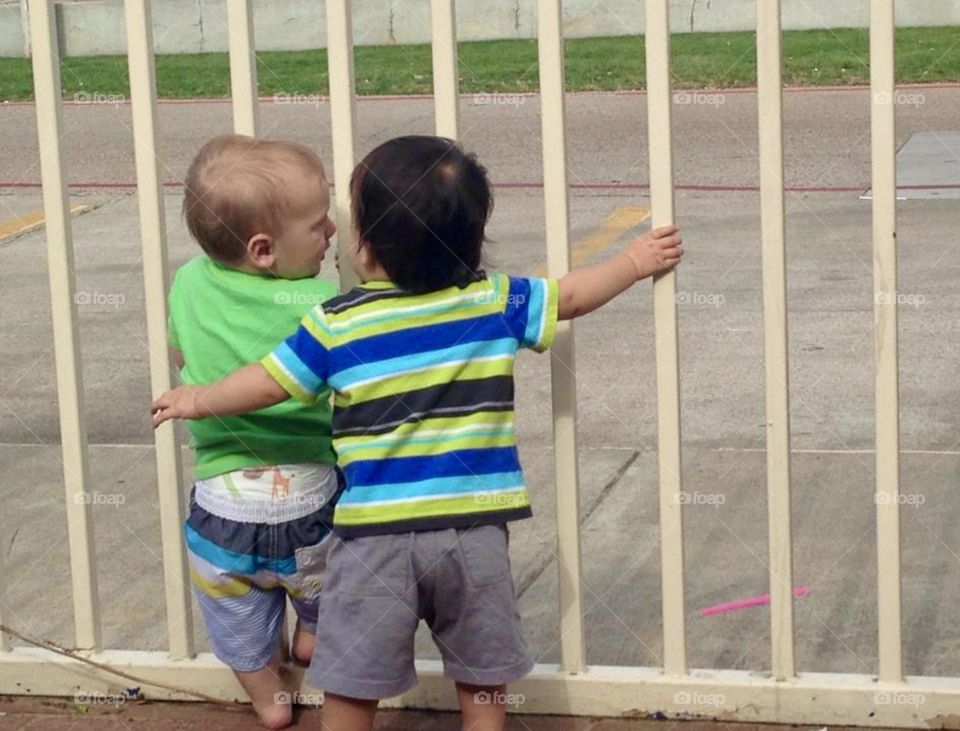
x,y
721,337
827,133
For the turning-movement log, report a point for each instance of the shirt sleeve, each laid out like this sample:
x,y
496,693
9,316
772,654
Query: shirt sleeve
x,y
300,364
531,311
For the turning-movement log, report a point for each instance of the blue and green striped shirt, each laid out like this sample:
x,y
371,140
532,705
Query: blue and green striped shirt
x,y
423,398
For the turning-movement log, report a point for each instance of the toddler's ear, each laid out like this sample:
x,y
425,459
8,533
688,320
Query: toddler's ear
x,y
261,251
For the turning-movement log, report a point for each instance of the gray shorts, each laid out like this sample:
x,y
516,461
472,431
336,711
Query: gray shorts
x,y
377,590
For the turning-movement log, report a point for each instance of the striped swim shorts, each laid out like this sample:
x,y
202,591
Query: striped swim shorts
x,y
249,550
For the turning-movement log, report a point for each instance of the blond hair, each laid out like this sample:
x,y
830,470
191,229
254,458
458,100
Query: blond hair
x,y
238,186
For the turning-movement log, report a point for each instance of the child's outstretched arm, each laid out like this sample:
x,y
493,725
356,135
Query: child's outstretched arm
x,y
247,389
587,288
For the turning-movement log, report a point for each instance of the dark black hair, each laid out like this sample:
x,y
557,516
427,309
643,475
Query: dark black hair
x,y
421,205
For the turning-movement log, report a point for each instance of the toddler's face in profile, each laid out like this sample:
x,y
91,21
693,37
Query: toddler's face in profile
x,y
307,228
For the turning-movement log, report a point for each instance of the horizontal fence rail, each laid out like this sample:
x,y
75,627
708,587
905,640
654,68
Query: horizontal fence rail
x,y
573,686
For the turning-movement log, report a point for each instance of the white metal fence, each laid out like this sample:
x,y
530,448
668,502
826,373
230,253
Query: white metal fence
x,y
573,686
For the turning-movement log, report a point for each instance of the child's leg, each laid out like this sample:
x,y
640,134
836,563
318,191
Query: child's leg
x,y
311,573
242,643
483,707
474,619
366,628
305,633
244,621
303,643
270,695
348,714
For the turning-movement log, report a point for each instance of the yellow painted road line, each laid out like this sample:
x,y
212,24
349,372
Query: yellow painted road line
x,y
22,224
620,220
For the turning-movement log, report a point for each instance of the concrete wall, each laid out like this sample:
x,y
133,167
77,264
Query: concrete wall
x,y
95,27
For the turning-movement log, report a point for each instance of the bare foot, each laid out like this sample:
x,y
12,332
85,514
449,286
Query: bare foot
x,y
272,700
275,715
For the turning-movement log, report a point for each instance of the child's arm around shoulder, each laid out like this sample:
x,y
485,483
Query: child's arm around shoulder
x,y
248,389
587,288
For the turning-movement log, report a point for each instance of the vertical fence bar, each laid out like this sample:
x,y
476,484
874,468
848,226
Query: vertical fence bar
x,y
446,85
155,276
4,643
659,100
884,169
343,122
56,207
25,27
562,363
243,66
770,109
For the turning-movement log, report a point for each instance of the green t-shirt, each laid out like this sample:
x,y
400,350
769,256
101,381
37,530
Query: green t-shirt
x,y
222,319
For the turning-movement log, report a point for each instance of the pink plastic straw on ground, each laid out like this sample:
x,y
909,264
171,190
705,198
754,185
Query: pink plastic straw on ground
x,y
753,601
